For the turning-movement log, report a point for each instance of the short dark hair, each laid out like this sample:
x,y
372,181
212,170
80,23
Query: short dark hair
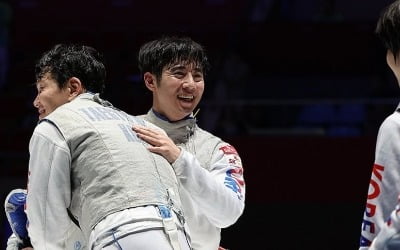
x,y
64,61
388,28
169,50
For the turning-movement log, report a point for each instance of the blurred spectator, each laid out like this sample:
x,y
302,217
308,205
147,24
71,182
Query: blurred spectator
x,y
260,10
327,12
221,117
5,19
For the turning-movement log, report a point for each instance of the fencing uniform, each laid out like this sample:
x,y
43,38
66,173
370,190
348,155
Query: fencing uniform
x,y
388,237
210,174
384,187
86,158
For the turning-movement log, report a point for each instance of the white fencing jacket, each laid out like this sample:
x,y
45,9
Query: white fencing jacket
x,y
210,173
384,187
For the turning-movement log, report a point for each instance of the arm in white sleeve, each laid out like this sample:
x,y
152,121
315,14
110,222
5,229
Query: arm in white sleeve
x,y
389,231
384,187
49,188
219,192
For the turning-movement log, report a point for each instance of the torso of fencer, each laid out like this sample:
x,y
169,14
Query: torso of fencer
x,y
111,168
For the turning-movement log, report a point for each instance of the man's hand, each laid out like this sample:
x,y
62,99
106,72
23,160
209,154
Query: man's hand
x,y
160,143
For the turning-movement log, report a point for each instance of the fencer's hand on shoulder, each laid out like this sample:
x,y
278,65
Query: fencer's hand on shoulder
x,y
160,143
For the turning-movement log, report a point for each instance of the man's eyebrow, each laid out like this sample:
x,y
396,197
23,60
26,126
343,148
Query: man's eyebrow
x,y
198,68
178,66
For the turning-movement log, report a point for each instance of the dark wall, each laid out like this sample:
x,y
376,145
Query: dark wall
x,y
302,192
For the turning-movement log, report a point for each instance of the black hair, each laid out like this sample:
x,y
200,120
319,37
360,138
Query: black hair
x,y
64,61
155,55
388,28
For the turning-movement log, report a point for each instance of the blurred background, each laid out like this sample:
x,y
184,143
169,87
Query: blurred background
x,y
298,87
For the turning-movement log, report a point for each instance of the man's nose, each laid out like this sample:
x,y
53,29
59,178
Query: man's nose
x,y
36,102
189,82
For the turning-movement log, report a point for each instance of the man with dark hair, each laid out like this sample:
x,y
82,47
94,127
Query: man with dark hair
x,y
208,169
87,166
384,188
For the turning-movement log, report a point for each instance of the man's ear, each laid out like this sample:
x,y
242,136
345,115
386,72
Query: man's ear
x,y
74,87
150,81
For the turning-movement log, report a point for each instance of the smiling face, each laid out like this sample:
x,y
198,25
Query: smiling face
x,y
49,96
178,91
